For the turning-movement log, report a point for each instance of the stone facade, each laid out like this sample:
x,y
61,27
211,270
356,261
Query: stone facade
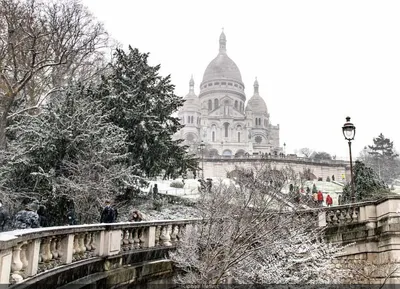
x,y
219,116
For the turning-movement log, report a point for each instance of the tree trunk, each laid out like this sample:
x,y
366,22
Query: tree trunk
x,y
5,106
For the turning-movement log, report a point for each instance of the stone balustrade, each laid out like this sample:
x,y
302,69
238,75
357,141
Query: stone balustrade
x,y
27,253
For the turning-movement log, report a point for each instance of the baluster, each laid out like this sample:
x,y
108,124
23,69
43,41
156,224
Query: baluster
x,y
142,237
59,248
342,217
136,240
93,239
181,232
335,219
157,236
354,216
88,239
165,235
81,241
23,255
130,240
16,265
348,216
329,218
174,233
53,248
125,240
76,250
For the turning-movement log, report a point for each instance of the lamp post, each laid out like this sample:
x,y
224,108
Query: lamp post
x,y
284,148
349,132
200,149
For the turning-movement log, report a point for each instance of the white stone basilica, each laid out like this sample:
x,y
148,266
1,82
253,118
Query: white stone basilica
x,y
219,116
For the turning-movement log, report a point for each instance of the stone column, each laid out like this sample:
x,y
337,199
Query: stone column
x,y
67,248
5,266
149,237
33,251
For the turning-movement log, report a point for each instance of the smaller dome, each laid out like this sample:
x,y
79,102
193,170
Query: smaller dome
x,y
256,102
191,99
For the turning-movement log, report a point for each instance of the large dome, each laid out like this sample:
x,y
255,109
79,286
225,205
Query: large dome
x,y
222,67
256,104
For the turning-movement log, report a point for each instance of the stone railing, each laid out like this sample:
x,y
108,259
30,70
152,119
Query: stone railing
x,y
27,253
363,212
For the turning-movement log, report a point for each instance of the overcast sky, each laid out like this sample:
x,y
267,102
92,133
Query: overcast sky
x,y
316,61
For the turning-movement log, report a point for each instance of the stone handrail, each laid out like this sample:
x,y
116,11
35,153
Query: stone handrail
x,y
27,253
362,212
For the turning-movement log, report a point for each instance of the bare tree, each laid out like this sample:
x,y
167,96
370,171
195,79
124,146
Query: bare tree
x,y
250,235
43,45
306,152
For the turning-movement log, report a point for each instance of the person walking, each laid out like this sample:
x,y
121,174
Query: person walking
x,y
27,218
155,191
329,201
108,215
320,198
315,198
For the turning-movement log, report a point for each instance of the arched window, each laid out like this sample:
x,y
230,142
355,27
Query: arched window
x,y
209,104
238,136
216,104
213,136
226,126
236,104
188,119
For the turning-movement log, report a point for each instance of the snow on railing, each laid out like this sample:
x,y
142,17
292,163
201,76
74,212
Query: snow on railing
x,y
27,253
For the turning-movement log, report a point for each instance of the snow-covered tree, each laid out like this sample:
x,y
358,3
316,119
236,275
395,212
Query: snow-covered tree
x,y
44,45
142,102
252,234
383,159
71,150
367,184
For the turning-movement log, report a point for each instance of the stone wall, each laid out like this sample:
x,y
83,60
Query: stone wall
x,y
371,233
219,167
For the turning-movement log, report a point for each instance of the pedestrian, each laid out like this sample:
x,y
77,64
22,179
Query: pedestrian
x,y
108,215
329,201
27,218
42,212
155,191
4,218
136,216
209,185
320,197
315,198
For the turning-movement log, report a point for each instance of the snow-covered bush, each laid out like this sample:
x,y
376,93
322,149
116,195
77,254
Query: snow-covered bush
x,y
177,184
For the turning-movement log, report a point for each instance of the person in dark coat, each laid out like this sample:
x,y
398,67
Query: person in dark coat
x,y
4,218
27,218
108,215
42,212
136,216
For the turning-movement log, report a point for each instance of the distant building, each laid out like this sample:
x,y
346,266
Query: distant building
x,y
219,116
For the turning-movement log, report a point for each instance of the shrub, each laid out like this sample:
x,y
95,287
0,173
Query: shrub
x,y
159,204
177,184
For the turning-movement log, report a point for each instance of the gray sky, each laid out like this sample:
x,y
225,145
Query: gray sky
x,y
316,61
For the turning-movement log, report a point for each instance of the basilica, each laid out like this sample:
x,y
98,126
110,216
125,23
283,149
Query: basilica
x,y
219,116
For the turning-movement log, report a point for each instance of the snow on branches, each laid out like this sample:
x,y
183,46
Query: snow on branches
x,y
250,234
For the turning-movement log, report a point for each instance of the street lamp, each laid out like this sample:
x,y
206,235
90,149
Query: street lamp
x,y
200,149
349,132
